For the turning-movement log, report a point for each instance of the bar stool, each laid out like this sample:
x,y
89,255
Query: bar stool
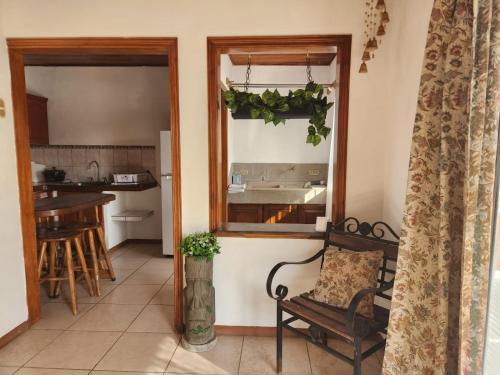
x,y
99,254
51,239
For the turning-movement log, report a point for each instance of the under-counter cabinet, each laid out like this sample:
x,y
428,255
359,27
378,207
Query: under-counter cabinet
x,y
280,213
275,213
38,120
245,213
309,212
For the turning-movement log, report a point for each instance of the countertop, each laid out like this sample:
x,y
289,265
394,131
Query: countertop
x,y
282,195
70,203
91,187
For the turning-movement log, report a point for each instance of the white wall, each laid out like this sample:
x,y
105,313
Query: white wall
x,y
372,96
253,141
403,84
13,308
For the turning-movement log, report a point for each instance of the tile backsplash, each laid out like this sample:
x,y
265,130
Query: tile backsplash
x,y
280,172
74,159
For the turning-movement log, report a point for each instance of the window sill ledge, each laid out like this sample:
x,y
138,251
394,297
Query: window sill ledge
x,y
286,231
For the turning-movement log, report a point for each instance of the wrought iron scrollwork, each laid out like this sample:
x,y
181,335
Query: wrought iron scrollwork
x,y
354,226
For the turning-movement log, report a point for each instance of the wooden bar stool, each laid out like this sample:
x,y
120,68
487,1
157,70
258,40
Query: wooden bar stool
x,y
49,240
96,246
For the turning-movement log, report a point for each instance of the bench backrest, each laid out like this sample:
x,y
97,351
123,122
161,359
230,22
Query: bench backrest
x,y
351,234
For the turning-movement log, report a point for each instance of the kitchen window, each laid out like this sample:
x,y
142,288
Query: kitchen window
x,y
265,180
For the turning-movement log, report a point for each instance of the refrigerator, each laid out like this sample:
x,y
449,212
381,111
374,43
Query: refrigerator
x,y
166,193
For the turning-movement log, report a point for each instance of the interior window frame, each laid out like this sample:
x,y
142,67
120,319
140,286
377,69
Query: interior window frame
x,y
217,128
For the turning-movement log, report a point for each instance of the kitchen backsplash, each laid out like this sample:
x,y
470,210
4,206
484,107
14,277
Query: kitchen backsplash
x,y
112,159
280,172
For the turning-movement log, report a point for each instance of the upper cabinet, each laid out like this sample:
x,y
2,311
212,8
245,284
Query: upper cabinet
x,y
38,120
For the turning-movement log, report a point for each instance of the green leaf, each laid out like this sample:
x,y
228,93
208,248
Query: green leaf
x,y
254,112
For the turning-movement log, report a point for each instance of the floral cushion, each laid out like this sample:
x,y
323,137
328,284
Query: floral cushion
x,y
345,273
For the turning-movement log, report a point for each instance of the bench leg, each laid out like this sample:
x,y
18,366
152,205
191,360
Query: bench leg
x,y
357,356
279,339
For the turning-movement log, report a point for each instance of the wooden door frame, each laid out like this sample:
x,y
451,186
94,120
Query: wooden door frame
x,y
217,153
18,49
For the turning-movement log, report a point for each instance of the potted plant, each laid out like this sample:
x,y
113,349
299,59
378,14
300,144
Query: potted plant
x,y
199,293
308,103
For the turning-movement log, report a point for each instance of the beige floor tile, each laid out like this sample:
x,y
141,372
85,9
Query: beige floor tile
x,y
82,294
129,262
59,315
160,263
147,352
50,371
125,373
154,318
75,350
24,347
131,294
259,356
105,317
148,276
322,363
121,275
165,296
223,359
170,281
7,370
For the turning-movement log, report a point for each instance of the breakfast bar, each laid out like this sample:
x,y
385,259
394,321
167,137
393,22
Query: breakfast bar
x,y
66,222
71,203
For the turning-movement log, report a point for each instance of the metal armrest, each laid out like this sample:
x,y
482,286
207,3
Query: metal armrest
x,y
353,306
281,290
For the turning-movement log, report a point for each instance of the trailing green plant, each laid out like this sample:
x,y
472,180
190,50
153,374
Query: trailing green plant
x,y
202,245
271,106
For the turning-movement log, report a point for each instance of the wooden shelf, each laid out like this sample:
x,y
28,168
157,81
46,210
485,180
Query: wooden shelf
x,y
132,215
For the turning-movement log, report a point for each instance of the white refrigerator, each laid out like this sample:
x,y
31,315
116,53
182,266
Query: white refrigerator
x,y
166,193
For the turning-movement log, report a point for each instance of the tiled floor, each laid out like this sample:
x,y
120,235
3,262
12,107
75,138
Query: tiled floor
x,y
129,331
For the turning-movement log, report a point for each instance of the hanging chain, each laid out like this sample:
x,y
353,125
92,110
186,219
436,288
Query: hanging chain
x,y
308,69
249,70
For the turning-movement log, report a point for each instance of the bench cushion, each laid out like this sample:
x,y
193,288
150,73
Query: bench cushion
x,y
345,273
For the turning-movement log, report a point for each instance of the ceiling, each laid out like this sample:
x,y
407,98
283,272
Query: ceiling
x,y
95,60
283,58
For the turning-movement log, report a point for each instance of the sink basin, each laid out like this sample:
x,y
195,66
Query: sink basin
x,y
265,186
276,186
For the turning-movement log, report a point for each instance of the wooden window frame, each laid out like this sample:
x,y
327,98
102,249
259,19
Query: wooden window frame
x,y
19,49
217,147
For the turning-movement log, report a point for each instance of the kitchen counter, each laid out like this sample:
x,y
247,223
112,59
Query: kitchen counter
x,y
91,187
280,195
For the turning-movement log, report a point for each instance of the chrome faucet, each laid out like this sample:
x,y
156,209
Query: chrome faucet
x,y
94,162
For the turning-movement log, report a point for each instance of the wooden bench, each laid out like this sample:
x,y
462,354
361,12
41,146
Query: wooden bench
x,y
326,321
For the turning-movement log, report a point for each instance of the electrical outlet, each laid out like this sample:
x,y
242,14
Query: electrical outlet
x,y
313,172
244,172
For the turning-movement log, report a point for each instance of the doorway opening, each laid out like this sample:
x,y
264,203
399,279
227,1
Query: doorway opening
x,y
157,57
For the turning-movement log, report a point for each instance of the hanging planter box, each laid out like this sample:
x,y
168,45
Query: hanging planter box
x,y
272,107
243,113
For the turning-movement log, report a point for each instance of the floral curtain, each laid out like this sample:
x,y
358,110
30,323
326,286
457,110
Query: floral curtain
x,y
438,313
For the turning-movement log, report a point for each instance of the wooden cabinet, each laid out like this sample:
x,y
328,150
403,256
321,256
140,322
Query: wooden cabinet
x,y
309,212
280,213
275,213
245,213
38,120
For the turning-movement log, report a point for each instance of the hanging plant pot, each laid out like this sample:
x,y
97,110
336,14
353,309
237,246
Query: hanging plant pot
x,y
271,106
243,113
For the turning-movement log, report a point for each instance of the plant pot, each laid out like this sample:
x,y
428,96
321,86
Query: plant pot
x,y
199,305
243,113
